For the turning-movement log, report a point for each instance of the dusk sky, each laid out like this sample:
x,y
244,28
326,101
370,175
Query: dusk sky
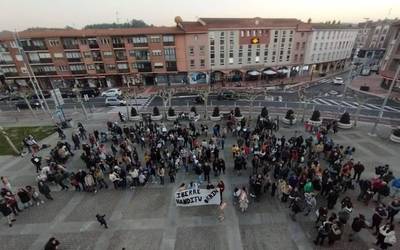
x,y
22,14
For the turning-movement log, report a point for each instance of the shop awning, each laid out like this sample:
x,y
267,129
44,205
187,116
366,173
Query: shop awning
x,y
269,72
253,73
283,71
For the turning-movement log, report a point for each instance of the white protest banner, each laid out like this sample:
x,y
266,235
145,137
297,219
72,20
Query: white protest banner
x,y
197,197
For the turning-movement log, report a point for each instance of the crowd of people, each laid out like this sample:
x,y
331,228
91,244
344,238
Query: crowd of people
x,y
310,174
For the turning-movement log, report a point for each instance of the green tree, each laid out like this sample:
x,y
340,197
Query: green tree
x,y
132,24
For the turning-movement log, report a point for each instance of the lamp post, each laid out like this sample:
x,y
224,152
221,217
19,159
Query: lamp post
x,y
346,85
374,128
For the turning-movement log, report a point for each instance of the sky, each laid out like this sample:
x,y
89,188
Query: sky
x,y
22,14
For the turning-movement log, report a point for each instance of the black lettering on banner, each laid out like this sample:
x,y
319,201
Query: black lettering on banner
x,y
210,196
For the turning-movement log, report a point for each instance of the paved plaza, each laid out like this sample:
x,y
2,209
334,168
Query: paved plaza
x,y
147,217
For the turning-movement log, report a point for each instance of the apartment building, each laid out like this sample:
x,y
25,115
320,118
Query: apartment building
x,y
202,51
391,60
108,57
329,47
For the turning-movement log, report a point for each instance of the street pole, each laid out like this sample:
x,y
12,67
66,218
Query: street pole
x,y
29,68
348,82
374,128
29,106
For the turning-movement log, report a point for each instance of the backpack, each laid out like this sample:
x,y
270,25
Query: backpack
x,y
385,191
344,216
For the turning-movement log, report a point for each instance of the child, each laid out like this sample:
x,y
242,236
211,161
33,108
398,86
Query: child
x,y
101,220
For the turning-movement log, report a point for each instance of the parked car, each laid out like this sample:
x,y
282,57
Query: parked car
x,y
67,93
115,101
21,104
46,95
90,92
228,95
338,80
111,93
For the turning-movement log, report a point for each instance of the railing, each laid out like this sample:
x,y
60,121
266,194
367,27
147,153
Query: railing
x,y
118,45
10,74
146,69
32,47
123,70
79,72
100,71
93,45
121,58
42,60
140,44
74,59
97,59
6,62
169,43
71,46
45,73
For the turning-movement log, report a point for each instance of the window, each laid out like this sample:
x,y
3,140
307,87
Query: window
x,y
247,33
72,55
168,39
253,32
303,45
63,68
156,52
110,66
44,55
222,61
54,42
202,50
87,54
90,67
241,33
192,63
158,65
19,58
77,67
170,54
196,37
13,44
191,51
202,62
248,60
240,60
122,66
58,55
295,57
107,54
84,41
297,45
139,40
155,39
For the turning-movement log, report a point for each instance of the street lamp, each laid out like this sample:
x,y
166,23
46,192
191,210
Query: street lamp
x,y
396,75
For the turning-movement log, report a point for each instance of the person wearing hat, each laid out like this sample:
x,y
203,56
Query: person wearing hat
x,y
358,224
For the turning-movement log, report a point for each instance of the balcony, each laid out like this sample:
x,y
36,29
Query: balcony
x,y
78,72
169,43
45,73
93,45
33,47
100,71
41,60
71,46
6,62
97,59
118,45
74,59
171,66
140,44
123,70
10,74
121,58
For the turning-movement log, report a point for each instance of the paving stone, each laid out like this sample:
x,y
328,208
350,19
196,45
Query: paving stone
x,y
17,241
103,202
45,212
136,239
201,238
148,203
78,241
266,237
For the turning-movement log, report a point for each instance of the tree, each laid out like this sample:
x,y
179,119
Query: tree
x,y
134,23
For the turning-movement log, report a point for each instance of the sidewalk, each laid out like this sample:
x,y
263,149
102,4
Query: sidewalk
x,y
373,81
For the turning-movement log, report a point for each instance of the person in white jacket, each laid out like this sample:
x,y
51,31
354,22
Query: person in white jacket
x,y
386,236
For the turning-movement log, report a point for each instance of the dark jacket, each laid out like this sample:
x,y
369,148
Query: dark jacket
x,y
4,209
44,189
23,196
358,224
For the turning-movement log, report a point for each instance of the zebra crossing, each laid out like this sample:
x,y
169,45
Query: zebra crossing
x,y
139,103
349,104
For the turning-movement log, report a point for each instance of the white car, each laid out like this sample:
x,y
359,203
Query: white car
x,y
338,80
115,101
111,93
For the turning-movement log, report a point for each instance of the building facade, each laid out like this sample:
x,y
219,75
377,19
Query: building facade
x,y
391,60
329,47
372,40
210,49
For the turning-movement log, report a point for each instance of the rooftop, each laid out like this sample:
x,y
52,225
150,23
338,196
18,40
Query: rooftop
x,y
249,22
45,33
